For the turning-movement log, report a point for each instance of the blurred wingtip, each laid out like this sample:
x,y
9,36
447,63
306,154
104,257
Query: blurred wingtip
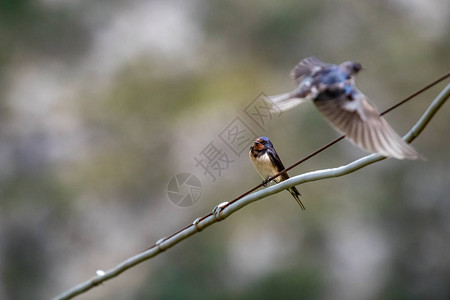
x,y
284,102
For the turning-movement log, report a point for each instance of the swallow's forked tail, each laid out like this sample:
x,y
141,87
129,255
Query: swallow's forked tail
x,y
295,193
285,102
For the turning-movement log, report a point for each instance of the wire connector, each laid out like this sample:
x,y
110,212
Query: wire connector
x,y
217,210
196,224
158,244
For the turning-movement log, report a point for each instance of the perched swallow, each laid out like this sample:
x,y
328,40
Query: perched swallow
x,y
333,91
267,163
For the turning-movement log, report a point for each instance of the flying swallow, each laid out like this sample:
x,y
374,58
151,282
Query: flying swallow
x,y
267,163
332,89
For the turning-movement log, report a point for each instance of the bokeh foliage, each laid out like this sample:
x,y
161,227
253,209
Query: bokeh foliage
x,y
103,102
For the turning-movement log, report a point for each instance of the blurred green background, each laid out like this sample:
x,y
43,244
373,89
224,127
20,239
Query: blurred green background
x,y
103,102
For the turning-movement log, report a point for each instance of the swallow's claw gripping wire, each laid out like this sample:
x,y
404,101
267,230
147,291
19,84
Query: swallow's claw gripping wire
x,y
265,182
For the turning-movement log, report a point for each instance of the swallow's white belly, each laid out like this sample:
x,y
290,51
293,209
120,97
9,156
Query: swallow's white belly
x,y
264,167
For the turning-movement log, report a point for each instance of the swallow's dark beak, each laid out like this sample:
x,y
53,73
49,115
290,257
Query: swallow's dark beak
x,y
257,145
357,67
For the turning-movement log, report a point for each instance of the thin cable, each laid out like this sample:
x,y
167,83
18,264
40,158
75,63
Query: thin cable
x,y
416,93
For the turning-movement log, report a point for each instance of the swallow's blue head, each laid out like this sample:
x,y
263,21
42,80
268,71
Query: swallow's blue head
x,y
352,68
262,143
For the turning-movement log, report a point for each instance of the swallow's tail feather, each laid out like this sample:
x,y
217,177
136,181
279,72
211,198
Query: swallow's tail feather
x,y
295,193
285,102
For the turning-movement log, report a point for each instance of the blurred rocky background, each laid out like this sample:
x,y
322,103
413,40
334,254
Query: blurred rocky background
x,y
102,103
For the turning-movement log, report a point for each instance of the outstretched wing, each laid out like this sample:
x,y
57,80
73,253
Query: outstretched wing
x,y
307,66
360,121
